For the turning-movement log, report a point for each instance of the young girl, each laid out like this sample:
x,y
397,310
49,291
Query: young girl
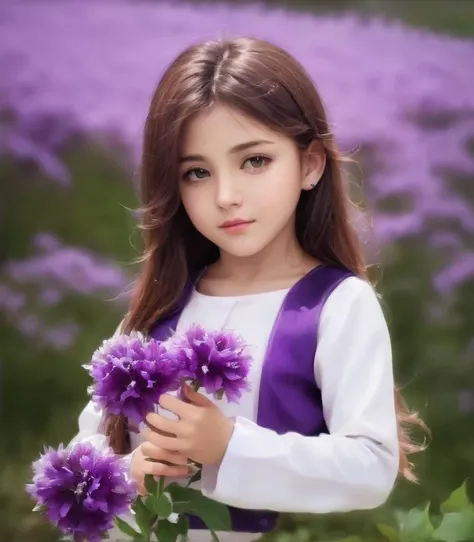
x,y
247,227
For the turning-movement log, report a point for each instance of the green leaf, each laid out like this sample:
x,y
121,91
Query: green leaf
x,y
143,517
161,485
389,532
183,525
214,537
125,527
456,527
151,484
400,516
457,501
159,505
417,526
215,515
166,531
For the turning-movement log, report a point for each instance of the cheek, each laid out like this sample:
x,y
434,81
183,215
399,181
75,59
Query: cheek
x,y
186,199
194,205
281,189
280,205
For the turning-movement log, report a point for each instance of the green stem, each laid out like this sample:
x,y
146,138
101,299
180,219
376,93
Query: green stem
x,y
161,485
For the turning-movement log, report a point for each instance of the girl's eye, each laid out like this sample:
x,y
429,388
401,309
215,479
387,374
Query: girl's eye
x,y
196,174
256,162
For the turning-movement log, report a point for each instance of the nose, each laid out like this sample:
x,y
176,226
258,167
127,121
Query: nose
x,y
228,193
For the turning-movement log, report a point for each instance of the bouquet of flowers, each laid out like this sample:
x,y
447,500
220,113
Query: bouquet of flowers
x,y
83,491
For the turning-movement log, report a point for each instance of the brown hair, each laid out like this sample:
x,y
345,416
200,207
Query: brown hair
x,y
266,83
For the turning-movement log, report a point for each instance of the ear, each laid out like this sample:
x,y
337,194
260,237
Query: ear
x,y
313,165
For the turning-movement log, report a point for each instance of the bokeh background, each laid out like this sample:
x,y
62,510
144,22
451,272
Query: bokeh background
x,y
75,82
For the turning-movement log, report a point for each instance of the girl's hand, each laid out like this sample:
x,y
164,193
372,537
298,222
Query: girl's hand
x,y
142,464
202,431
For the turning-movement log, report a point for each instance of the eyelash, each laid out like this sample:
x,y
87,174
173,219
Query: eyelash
x,y
266,160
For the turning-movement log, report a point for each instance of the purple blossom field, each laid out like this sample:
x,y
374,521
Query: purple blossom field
x,y
74,91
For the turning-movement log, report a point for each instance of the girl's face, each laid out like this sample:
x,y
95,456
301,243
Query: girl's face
x,y
240,181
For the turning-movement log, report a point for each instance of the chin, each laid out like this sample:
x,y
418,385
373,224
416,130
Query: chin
x,y
242,248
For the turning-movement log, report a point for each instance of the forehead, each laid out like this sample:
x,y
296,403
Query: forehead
x,y
221,127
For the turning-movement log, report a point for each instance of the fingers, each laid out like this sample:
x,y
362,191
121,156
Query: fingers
x,y
164,433
149,450
175,405
195,397
161,441
141,489
157,462
161,424
160,469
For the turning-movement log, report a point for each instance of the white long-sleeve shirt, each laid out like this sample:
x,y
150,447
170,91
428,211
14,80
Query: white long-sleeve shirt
x,y
355,465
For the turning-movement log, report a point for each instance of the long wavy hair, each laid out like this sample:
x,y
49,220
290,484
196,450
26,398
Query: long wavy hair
x,y
264,82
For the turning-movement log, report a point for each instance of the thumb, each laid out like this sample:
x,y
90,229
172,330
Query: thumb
x,y
195,397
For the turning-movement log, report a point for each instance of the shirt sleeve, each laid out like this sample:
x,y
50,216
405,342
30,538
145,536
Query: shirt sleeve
x,y
354,466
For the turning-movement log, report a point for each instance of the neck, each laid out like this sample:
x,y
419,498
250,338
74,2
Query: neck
x,y
282,259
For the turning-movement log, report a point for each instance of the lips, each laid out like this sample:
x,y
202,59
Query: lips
x,y
235,223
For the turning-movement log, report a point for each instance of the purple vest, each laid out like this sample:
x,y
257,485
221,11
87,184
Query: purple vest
x,y
287,371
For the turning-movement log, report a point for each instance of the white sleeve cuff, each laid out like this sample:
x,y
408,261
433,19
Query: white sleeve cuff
x,y
294,473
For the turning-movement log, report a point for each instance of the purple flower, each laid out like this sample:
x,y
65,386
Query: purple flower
x,y
130,373
74,268
81,489
216,360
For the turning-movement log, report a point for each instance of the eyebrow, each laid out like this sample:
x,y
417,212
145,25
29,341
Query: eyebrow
x,y
238,148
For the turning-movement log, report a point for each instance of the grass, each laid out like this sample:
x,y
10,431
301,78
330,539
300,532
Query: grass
x,y
51,384
100,192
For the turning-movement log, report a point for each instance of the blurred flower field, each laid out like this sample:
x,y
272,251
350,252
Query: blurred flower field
x,y
74,91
